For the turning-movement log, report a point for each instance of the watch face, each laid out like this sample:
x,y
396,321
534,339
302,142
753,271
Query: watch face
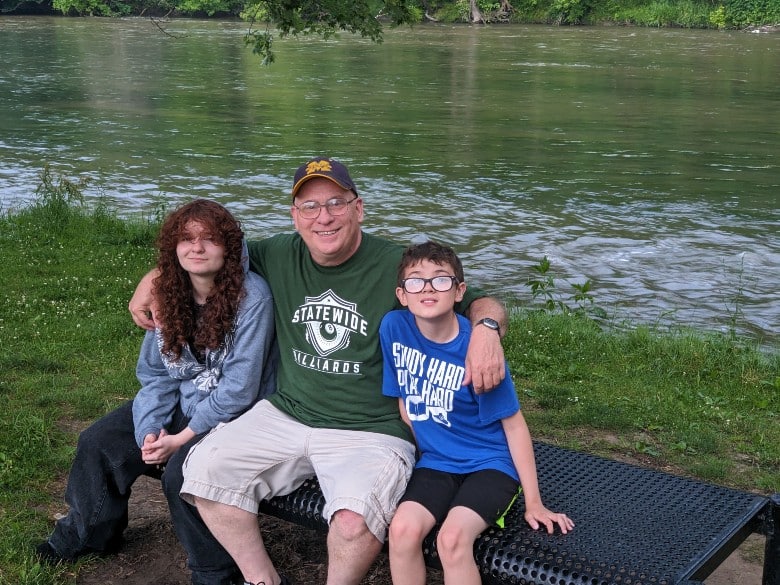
x,y
488,322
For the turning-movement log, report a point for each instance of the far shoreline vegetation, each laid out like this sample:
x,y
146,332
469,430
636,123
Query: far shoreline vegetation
x,y
268,19
693,403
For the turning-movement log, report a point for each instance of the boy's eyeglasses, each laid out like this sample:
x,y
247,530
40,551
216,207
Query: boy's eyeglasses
x,y
439,283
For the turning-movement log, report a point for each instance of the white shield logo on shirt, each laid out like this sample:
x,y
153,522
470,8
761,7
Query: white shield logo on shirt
x,y
329,321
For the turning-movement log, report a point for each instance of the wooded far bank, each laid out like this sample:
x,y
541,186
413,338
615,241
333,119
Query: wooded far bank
x,y
368,17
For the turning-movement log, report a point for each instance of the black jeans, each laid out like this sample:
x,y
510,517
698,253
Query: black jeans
x,y
107,463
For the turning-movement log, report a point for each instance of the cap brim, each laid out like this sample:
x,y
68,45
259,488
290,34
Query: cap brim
x,y
298,185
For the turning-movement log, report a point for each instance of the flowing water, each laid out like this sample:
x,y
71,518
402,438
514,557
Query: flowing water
x,y
645,160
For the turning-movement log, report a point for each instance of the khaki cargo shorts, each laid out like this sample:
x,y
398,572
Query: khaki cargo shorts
x,y
266,453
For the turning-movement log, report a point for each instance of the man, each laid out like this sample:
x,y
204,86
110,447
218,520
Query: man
x,y
332,284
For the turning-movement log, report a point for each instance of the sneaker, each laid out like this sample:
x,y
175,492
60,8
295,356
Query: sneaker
x,y
47,555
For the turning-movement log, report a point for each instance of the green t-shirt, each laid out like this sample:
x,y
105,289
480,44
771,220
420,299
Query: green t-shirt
x,y
327,323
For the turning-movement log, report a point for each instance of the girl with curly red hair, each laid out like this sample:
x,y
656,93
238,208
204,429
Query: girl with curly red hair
x,y
212,356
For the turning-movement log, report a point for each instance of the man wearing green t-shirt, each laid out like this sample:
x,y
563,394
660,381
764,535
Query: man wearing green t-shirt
x,y
332,284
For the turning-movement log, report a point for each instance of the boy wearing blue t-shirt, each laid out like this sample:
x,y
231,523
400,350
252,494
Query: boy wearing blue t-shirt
x,y
475,449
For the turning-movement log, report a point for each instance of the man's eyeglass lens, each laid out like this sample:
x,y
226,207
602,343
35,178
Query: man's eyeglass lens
x,y
439,283
311,209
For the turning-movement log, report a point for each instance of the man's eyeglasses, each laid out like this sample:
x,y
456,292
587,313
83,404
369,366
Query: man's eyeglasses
x,y
335,206
439,283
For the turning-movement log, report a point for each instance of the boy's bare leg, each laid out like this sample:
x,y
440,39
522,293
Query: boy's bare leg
x,y
455,544
410,525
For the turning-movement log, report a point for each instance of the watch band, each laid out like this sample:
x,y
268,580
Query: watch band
x,y
490,324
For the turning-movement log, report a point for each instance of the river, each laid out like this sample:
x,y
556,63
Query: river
x,y
645,160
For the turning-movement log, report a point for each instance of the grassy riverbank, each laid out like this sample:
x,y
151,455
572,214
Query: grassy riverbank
x,y
697,404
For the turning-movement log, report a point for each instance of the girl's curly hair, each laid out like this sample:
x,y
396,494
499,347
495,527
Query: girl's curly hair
x,y
179,320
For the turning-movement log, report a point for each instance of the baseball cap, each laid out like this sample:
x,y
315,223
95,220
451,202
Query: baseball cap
x,y
323,167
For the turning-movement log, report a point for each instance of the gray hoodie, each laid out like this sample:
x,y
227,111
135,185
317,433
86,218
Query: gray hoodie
x,y
230,380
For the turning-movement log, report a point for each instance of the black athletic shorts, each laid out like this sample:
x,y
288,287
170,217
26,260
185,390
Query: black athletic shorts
x,y
489,493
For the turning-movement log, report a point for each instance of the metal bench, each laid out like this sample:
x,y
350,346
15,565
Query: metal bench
x,y
635,526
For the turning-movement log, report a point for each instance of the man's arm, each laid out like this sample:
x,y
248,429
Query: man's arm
x,y
141,306
485,366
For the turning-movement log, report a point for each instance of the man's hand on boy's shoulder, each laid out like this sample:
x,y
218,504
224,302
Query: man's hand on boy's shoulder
x,y
485,365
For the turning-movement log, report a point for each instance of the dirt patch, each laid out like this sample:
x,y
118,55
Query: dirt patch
x,y
153,556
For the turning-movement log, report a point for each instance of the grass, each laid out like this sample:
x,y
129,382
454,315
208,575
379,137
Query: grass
x,y
699,404
707,405
70,355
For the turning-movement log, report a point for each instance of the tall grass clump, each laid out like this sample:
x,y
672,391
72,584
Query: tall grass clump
x,y
71,347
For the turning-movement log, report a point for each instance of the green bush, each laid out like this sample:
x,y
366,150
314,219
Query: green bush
x,y
743,13
92,7
568,11
664,13
717,17
210,7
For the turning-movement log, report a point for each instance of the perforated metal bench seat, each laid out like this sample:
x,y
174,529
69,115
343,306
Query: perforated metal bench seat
x,y
635,526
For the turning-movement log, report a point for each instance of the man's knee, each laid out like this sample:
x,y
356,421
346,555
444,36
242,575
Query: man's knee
x,y
349,525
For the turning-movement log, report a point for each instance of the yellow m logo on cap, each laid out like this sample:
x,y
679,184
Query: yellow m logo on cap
x,y
318,166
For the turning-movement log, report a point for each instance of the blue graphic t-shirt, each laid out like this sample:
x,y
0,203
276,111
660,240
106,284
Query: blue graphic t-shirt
x,y
457,430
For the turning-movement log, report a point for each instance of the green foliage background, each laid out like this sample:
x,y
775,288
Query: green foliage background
x,y
367,17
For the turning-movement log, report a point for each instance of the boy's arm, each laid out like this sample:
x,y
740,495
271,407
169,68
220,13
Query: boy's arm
x,y
405,416
522,450
485,356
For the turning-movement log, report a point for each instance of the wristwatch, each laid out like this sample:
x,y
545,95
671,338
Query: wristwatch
x,y
490,324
